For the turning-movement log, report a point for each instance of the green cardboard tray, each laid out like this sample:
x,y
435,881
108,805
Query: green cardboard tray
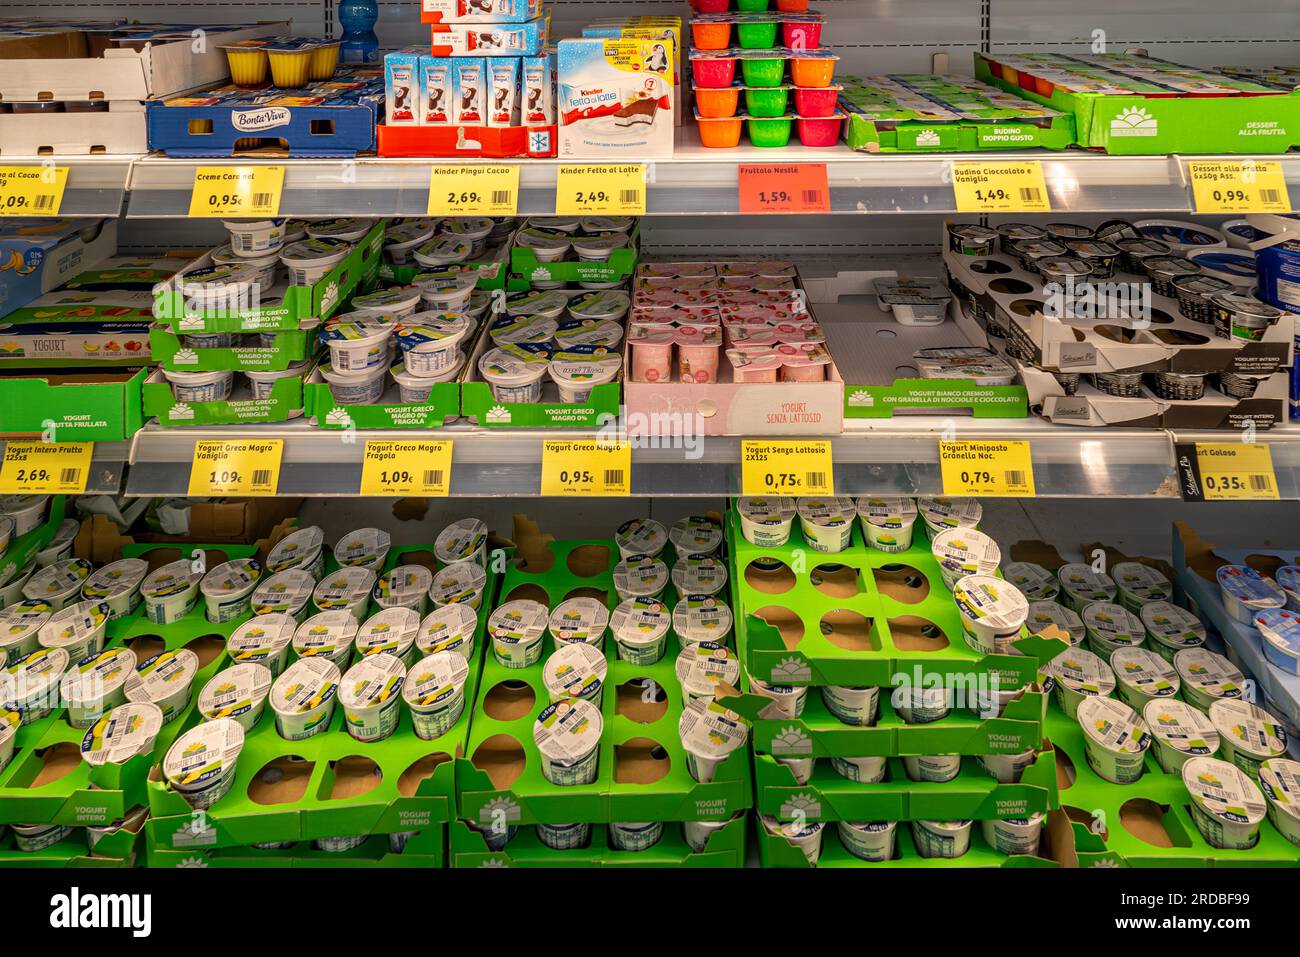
x,y
525,268
910,395
72,852
160,403
292,346
75,405
424,850
443,405
725,848
492,269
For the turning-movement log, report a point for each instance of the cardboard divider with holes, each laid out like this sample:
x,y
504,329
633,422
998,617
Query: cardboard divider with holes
x,y
424,849
330,784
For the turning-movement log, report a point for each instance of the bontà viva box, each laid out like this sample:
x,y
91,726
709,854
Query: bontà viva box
x,y
615,97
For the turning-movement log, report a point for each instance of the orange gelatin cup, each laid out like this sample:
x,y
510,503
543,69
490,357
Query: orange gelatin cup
x,y
713,104
720,133
1043,87
811,71
711,36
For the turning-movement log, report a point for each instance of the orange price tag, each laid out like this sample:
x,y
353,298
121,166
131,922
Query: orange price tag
x,y
793,188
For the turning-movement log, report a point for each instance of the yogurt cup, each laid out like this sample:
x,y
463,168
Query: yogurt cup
x,y
200,386
30,686
267,265
964,551
448,628
701,668
397,301
766,522
514,374
262,381
1170,629
1007,768
635,836
1081,586
200,764
20,625
1246,592
1044,614
1279,779
327,635
1279,629
238,693
1288,579
346,589
365,547
459,584
448,289
95,685
263,640
1014,835
515,629
699,575
640,576
709,733
60,547
993,612
117,584
922,705
695,535
435,693
787,701
30,838
165,680
944,839
1226,804
1111,627
564,837
868,769
934,767
214,288
868,840
806,836
523,331
567,734
308,260
170,592
1143,676
431,344
391,631
1248,734
25,511
1137,584
415,390
255,237
371,696
228,588
284,593
603,225
303,697
406,586
941,514
77,629
827,523
340,845
640,628
1207,677
1035,582
1179,732
299,549
579,369
579,621
362,388
1115,738
132,823
59,584
575,671
701,618
588,332
854,706
640,536
444,250
697,833
887,522
1079,675
801,769
126,731
464,540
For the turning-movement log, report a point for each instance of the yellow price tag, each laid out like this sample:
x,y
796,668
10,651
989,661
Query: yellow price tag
x,y
45,468
982,187
1238,186
617,190
1236,471
586,467
236,467
32,190
237,191
474,191
986,468
786,467
399,468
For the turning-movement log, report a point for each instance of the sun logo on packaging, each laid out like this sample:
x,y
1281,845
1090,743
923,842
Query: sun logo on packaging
x,y
193,862
339,417
180,411
1134,121
791,741
494,862
499,809
791,669
185,357
927,138
1104,862
803,806
498,414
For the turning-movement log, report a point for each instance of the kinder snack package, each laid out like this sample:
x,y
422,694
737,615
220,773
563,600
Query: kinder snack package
x,y
436,90
615,97
402,88
479,11
503,90
487,39
668,30
469,90
538,98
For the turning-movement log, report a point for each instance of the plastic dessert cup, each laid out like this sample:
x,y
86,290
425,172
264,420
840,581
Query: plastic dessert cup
x,y
801,34
818,131
811,70
756,34
652,347
324,60
712,34
765,71
291,65
248,62
767,100
721,133
769,132
698,348
816,101
716,103
361,388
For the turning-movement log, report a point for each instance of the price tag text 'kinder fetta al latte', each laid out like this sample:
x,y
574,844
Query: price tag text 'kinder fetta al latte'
x,y
601,190
986,468
236,467
400,468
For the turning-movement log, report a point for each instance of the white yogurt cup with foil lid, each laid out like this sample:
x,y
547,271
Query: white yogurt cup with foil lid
x,y
126,731
30,838
77,629
431,343
1143,676
575,671
1280,630
941,839
801,769
993,612
1279,779
303,697
635,836
854,706
284,593
371,696
1007,768
406,586
328,635
523,330
435,693
118,584
1079,675
640,536
640,628
95,685
448,628
866,769
1111,627
1115,738
699,575
602,305
1248,734
1044,614
26,511
766,522
228,588
60,583
701,668
514,373
238,692
1014,835
964,551
464,540
459,584
365,547
15,580
564,837
398,301
694,535
30,686
887,522
1035,582
345,589
347,229
1179,732
20,624
165,680
697,833
1081,586
299,549
515,630
263,640
918,704
60,546
941,514
1226,804
170,592
709,733
787,700
869,840
827,523
308,260
549,304
1207,677
806,836
1137,584
567,734
1170,629
447,289
588,332
701,618
932,767
391,631
200,764
1288,579
579,621
401,238
640,576
1246,592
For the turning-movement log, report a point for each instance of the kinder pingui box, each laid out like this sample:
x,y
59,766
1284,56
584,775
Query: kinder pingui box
x,y
469,90
402,88
503,90
537,106
615,98
435,90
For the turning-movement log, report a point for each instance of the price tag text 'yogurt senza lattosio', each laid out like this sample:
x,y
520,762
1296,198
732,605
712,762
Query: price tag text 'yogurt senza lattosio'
x,y
790,467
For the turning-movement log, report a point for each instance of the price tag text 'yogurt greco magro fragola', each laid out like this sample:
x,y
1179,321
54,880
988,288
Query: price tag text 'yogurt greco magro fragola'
x,y
986,468
400,468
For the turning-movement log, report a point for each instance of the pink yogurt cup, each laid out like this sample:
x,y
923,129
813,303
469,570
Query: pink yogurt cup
x,y
652,352
753,364
803,363
697,352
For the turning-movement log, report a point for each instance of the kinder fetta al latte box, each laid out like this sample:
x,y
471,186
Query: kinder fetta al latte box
x,y
402,88
435,90
615,98
649,28
479,11
537,106
503,90
469,90
487,39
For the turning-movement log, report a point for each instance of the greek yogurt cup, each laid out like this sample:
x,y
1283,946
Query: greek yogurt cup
x,y
1137,584
703,667
214,288
1279,779
887,522
640,576
1246,592
360,388
567,734
266,264
701,618
434,693
941,514
1016,835
640,536
709,733
579,621
640,628
396,301
228,588
126,731
515,630
1115,738
263,640
1111,627
1179,732
941,839
299,549
1207,677
95,685
117,584
365,547
405,586
766,522
262,381
869,840
255,237
575,671
588,332
448,289
371,696
1226,804
1035,582
854,706
1081,586
303,697
200,386
25,511
1248,734
77,629
1078,675
993,613
415,390
347,589
391,631
936,768
284,593
328,635
788,701
308,260
1045,614
514,374
1143,676
431,343
200,764
165,680
580,369
444,250
1170,629
459,584
464,540
699,575
964,551
60,583
238,693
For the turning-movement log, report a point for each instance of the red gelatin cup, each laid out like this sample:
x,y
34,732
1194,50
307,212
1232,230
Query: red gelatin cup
x,y
814,101
801,34
713,72
818,131
710,6
792,6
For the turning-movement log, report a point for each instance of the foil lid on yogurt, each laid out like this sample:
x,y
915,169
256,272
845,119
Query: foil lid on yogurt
x,y
520,621
344,588
1043,614
1035,582
695,535
1279,778
458,583
1288,579
1250,588
1114,623
1085,583
950,512
299,548
699,574
640,620
1248,727
234,691
22,619
325,634
116,578
1171,625
1080,670
702,618
640,575
892,511
708,728
127,730
261,637
641,536
288,590
446,629
1141,581
1145,671
766,511
305,685
403,584
1212,674
831,512
203,754
1114,725
390,631
231,578
1280,627
575,671
1224,791
174,578
367,547
461,540
1182,727
58,579
374,680
72,624
162,675
992,601
98,675
703,667
579,619
435,678
568,730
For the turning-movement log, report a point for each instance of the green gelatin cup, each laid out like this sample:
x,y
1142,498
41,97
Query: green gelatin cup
x,y
756,36
752,5
767,102
769,132
767,71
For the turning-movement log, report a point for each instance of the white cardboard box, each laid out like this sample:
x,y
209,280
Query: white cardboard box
x,y
122,129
